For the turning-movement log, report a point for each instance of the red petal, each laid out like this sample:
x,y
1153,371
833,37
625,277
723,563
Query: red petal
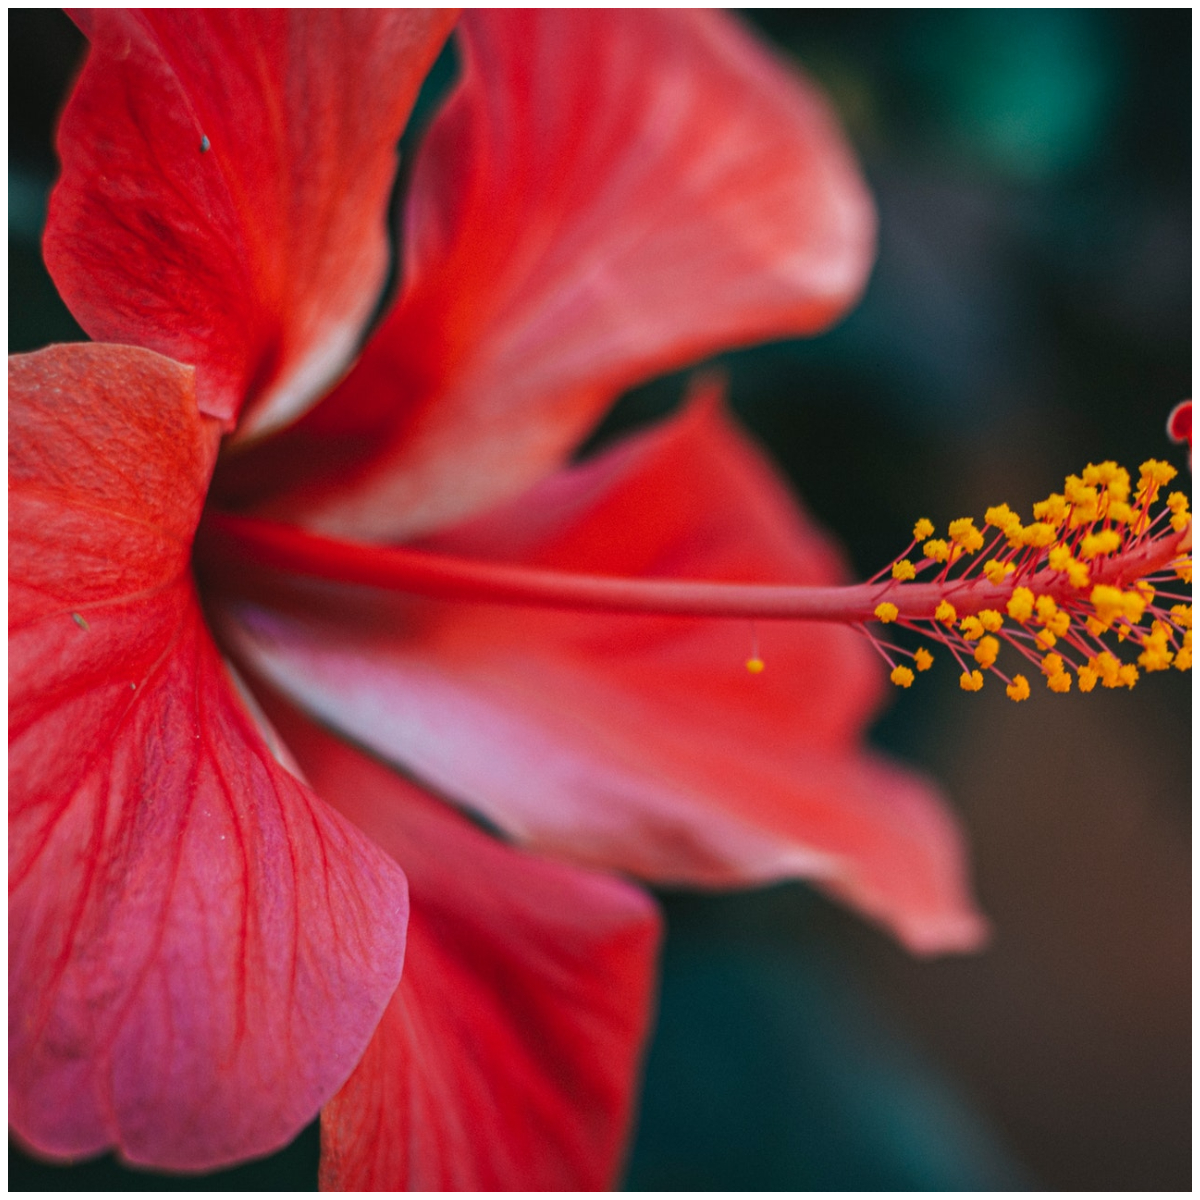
x,y
611,194
636,742
225,185
508,1057
199,950
1179,423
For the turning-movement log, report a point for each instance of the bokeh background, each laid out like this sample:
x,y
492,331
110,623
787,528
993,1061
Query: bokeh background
x,y
1030,312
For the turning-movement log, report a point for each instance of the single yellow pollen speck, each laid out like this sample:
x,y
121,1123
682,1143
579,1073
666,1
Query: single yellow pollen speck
x,y
1045,639
1059,683
887,612
996,570
1183,615
1104,542
990,619
937,550
923,659
986,652
1052,664
971,628
963,533
945,613
755,665
971,682
902,677
922,529
903,570
1020,604
1087,679
1018,689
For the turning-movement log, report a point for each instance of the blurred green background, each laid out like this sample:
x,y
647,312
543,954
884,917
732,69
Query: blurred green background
x,y
1030,312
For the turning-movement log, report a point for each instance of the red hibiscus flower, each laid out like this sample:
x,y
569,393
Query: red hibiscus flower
x,y
211,892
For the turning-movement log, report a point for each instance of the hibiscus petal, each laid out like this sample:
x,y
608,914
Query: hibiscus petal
x,y
609,195
199,949
226,178
639,743
508,1057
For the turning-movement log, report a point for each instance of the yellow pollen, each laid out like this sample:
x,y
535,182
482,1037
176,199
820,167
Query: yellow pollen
x,y
945,613
1146,589
1087,679
1039,535
902,677
1053,509
1180,521
970,682
971,628
1060,683
1059,558
1133,604
1156,473
964,534
1183,569
1052,664
1018,689
755,665
1108,667
1177,502
1127,674
1183,659
1059,624
887,612
1108,603
1077,573
923,659
996,570
1095,626
937,550
1001,517
1120,512
1045,639
903,570
922,529
1183,615
1020,604
990,619
1104,542
986,652
1046,608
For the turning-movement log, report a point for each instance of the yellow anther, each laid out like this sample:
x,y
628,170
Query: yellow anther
x,y
755,665
970,682
1146,589
1059,624
887,612
1133,604
1180,521
902,677
1183,659
1020,604
937,550
1155,656
1087,679
1177,502
1052,664
986,652
996,570
1127,675
945,613
1001,517
903,570
1018,689
963,533
1156,473
1052,509
1108,667
1182,614
1120,512
1077,574
1095,626
923,659
1039,535
922,529
971,628
1059,558
1109,603
1045,639
1183,569
1059,683
990,619
1104,542
1046,608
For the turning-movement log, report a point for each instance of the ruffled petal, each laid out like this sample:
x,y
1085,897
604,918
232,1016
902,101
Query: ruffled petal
x,y
226,179
634,742
508,1058
199,949
609,195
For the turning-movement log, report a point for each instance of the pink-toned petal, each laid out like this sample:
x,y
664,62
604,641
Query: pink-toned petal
x,y
508,1058
199,949
1179,423
225,185
638,743
609,195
